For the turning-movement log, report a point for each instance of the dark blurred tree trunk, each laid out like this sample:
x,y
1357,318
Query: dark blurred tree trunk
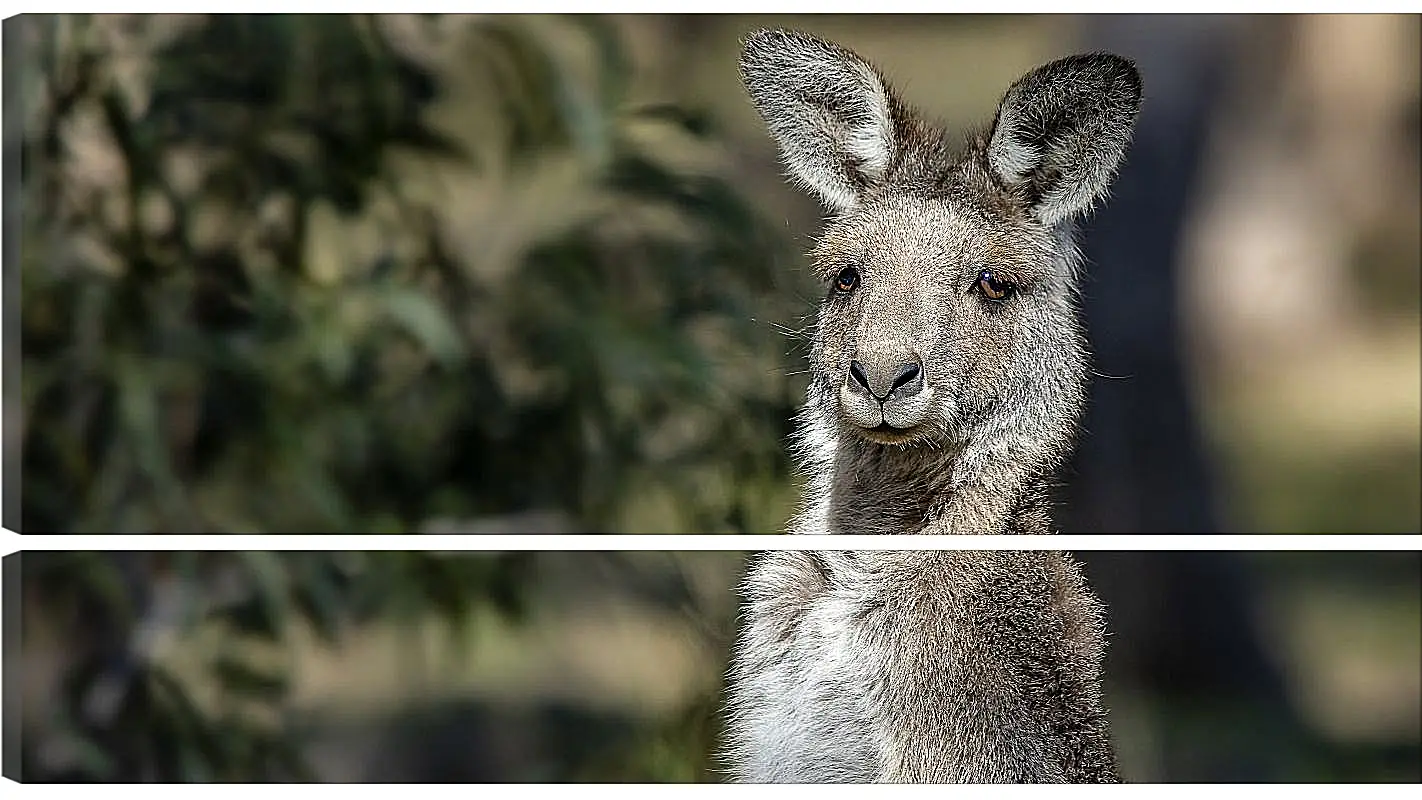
x,y
1181,622
1140,466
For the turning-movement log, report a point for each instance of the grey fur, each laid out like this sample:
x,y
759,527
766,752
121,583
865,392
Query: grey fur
x,y
932,409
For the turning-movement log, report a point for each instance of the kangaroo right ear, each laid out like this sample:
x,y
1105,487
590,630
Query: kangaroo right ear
x,y
827,109
1062,130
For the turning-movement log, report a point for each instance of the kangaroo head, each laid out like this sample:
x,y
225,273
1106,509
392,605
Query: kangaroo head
x,y
949,273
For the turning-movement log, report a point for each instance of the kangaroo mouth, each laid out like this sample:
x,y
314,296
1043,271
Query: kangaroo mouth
x,y
900,421
884,433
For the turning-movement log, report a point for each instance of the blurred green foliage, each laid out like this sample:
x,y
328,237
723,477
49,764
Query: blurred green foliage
x,y
201,355
127,710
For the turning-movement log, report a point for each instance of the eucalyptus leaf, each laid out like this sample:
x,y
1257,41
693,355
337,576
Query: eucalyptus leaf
x,y
241,677
426,320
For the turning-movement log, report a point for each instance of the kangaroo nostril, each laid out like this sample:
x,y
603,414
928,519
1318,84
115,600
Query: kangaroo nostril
x,y
908,373
856,371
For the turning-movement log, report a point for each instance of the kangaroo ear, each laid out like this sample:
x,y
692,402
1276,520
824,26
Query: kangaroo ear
x,y
827,109
1062,130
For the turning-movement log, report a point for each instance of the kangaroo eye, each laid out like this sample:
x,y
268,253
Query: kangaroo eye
x,y
993,288
847,280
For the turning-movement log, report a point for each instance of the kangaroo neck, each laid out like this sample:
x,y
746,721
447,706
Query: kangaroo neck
x,y
877,489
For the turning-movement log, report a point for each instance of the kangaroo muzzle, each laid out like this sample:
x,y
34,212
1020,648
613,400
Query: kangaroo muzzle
x,y
885,392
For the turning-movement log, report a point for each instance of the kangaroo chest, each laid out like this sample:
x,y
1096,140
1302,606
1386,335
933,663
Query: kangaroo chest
x,y
858,667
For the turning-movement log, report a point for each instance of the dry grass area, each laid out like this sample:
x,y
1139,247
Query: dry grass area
x,y
589,640
1350,659
609,655
1326,443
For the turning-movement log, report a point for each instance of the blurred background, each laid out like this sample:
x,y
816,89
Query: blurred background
x,y
536,273
532,274
552,667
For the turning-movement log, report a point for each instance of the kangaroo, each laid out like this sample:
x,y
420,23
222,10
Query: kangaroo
x,y
947,378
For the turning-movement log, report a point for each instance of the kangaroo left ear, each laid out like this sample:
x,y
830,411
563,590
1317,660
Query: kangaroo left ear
x,y
827,108
1062,131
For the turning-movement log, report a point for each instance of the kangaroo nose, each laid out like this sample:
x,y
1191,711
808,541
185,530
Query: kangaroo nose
x,y
909,380
904,381
856,371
